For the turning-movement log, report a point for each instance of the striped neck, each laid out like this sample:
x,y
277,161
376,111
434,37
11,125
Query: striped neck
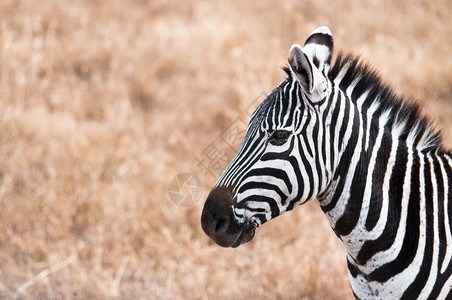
x,y
386,161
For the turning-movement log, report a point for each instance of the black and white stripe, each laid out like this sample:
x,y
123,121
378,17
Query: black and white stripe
x,y
376,166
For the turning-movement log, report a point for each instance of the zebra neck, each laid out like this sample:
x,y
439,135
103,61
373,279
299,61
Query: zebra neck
x,y
380,205
370,173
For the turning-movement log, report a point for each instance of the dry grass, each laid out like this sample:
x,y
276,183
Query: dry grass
x,y
102,103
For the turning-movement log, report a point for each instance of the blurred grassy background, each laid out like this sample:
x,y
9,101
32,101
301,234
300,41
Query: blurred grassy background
x,y
102,103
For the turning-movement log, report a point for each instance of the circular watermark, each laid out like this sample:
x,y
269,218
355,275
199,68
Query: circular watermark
x,y
185,189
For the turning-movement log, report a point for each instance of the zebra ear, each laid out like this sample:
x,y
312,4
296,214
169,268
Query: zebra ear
x,y
302,68
311,64
319,47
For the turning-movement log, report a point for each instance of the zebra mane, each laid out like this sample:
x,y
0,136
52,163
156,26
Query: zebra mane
x,y
405,113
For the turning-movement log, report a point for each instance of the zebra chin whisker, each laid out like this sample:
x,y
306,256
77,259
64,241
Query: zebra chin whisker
x,y
255,222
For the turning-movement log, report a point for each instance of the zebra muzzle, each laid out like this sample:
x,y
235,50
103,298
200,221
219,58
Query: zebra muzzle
x,y
219,223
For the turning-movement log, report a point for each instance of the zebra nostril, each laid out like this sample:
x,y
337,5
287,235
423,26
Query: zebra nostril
x,y
217,218
221,226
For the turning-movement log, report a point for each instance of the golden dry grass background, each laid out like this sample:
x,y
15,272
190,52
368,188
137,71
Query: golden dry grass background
x,y
102,103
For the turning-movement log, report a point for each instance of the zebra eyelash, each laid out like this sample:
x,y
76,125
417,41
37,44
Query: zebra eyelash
x,y
278,137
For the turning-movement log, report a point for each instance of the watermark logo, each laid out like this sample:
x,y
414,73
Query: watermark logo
x,y
185,189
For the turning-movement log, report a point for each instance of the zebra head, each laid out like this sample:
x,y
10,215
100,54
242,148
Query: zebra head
x,y
282,161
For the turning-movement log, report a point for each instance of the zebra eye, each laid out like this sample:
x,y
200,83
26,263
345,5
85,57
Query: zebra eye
x,y
278,137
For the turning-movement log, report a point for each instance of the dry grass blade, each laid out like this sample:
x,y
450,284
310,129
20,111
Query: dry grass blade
x,y
22,290
117,281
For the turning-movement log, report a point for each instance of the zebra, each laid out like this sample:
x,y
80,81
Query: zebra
x,y
376,165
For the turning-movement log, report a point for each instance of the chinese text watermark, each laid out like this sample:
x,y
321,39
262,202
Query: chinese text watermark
x,y
186,189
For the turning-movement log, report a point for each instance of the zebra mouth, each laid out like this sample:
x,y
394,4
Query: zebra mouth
x,y
219,222
246,235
